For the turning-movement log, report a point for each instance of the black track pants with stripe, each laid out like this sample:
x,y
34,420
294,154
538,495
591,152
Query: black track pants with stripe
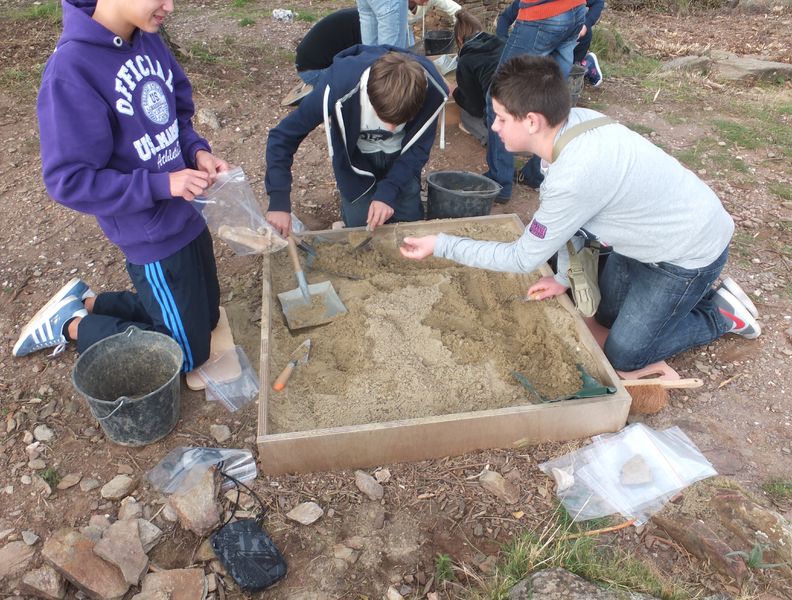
x,y
178,296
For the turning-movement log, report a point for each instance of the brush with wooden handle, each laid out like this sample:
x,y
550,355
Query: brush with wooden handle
x,y
650,396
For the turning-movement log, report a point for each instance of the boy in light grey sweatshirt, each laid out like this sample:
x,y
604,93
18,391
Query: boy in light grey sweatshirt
x,y
668,230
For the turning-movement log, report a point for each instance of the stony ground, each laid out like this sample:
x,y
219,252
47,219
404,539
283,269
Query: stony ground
x,y
736,136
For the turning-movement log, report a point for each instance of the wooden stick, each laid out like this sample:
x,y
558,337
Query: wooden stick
x,y
599,531
664,383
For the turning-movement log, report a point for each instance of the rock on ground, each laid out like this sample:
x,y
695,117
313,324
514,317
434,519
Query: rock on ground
x,y
369,486
118,487
181,584
71,553
497,485
122,547
198,508
129,509
14,557
150,534
305,513
560,584
44,583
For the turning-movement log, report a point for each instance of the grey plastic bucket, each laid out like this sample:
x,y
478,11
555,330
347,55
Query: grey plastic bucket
x,y
438,41
455,194
131,382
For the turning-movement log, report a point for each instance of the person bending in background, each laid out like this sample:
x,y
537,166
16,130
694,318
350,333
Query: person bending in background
x,y
115,118
479,54
416,12
379,106
328,36
668,230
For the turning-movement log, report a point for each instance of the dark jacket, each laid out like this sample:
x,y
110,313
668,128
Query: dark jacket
x,y
329,36
478,59
335,101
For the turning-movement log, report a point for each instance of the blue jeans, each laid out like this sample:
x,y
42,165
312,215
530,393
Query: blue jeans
x,y
383,22
655,311
354,212
555,37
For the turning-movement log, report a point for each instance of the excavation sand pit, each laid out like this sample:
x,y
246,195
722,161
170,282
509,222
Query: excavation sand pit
x,y
421,339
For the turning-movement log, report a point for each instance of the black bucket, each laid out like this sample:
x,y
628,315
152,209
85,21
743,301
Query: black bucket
x,y
454,194
438,41
131,382
575,83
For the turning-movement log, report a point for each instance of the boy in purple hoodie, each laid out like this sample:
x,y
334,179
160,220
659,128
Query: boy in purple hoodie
x,y
117,142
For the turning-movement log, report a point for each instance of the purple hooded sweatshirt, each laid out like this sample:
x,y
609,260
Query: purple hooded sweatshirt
x,y
115,119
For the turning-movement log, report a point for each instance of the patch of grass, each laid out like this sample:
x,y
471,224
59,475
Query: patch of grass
x,y
609,45
636,66
51,476
240,3
246,22
560,545
50,11
779,490
444,568
738,134
766,119
638,128
674,119
202,53
22,81
306,16
742,246
691,157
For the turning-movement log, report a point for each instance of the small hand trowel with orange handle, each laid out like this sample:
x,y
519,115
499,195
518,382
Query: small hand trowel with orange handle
x,y
298,357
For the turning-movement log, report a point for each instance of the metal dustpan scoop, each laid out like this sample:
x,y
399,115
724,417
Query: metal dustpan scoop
x,y
309,305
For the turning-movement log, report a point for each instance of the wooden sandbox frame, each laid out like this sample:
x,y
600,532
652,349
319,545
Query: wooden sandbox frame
x,y
360,446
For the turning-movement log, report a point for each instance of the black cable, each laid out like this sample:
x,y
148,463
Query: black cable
x,y
237,484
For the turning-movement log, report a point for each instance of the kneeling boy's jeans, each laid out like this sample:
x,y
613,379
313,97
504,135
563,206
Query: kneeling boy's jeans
x,y
655,311
407,207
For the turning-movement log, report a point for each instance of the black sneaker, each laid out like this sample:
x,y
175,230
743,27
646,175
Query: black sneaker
x,y
502,199
519,177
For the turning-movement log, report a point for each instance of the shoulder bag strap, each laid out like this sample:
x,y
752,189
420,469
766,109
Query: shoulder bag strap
x,y
576,130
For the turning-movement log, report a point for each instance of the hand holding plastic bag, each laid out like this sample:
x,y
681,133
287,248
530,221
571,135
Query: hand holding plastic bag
x,y
233,214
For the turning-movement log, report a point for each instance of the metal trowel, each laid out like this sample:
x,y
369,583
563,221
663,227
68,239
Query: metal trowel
x,y
298,357
309,305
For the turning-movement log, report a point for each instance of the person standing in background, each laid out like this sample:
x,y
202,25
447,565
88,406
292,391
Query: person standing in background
x,y
542,28
383,22
582,56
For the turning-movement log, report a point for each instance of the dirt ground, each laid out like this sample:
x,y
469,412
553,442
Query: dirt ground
x,y
741,419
